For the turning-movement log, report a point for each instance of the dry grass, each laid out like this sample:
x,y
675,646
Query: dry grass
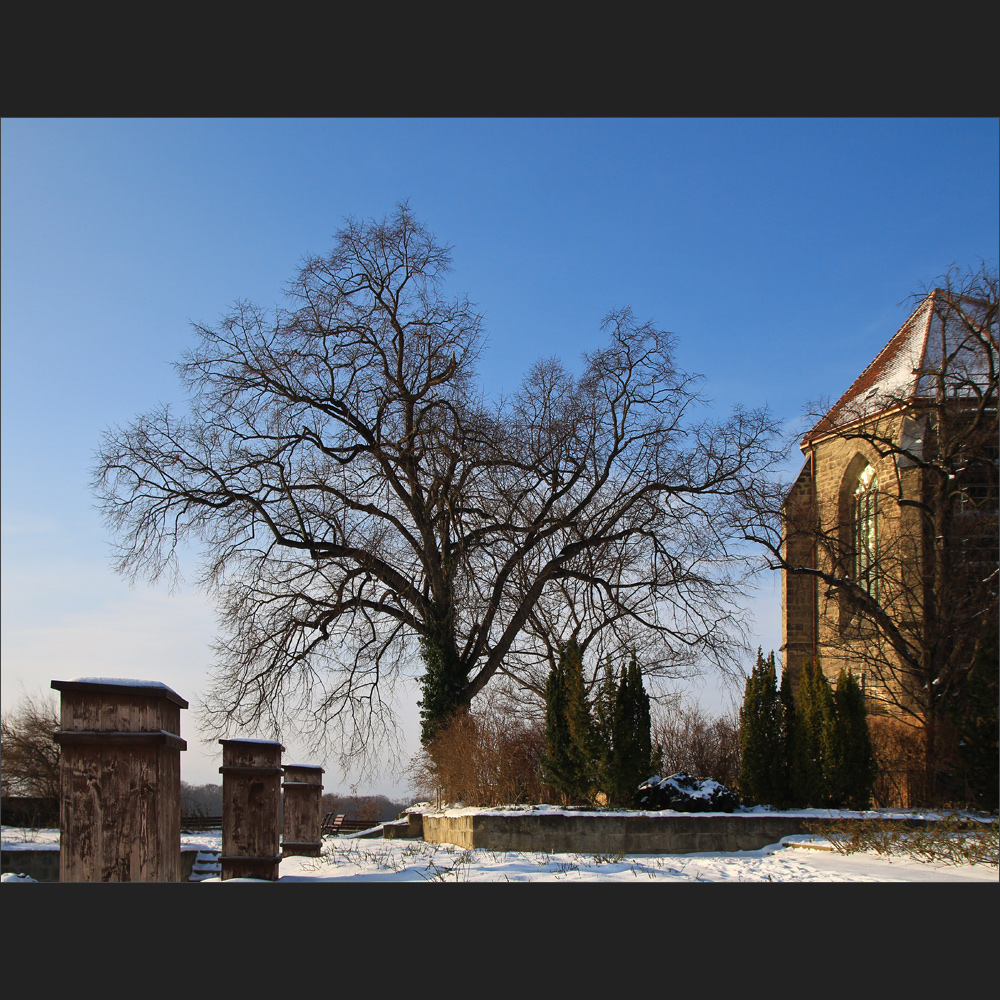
x,y
953,839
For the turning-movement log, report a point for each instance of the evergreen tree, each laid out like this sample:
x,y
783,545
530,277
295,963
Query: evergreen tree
x,y
786,710
835,749
827,744
761,763
851,768
606,746
556,767
569,765
604,727
811,712
831,748
631,748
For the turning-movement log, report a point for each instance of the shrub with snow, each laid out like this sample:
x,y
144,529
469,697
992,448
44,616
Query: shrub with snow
x,y
683,793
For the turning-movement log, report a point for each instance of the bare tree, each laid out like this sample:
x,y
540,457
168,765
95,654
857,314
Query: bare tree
x,y
29,754
690,740
357,500
201,800
888,538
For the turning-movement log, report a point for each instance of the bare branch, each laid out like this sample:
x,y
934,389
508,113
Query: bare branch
x,y
359,504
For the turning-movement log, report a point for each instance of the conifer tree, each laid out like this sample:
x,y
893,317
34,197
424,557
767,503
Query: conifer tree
x,y
850,770
811,711
831,751
631,749
569,765
556,759
604,747
604,727
786,710
827,742
761,762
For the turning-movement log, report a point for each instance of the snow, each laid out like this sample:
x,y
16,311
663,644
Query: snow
x,y
123,682
817,814
352,858
270,743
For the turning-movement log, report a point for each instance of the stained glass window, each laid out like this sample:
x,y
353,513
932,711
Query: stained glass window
x,y
866,531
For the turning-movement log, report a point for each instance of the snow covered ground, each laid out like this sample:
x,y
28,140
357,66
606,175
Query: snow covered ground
x,y
356,859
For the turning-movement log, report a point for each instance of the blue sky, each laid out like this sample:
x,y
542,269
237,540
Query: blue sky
x,y
781,252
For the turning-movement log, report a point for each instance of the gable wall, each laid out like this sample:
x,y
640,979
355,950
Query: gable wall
x,y
817,624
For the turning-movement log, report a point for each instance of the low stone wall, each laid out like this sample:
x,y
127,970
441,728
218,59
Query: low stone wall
x,y
409,828
613,833
41,861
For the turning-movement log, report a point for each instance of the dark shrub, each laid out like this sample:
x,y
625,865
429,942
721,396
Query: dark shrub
x,y
682,793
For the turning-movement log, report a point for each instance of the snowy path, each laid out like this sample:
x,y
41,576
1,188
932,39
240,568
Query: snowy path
x,y
350,859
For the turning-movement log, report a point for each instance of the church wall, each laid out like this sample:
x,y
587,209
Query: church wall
x,y
798,640
817,623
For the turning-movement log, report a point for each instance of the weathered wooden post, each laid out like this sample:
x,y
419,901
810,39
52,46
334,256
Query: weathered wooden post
x,y
302,811
119,780
251,803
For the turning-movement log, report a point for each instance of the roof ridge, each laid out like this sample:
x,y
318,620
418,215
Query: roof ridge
x,y
925,305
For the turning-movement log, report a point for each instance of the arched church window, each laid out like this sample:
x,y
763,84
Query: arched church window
x,y
865,525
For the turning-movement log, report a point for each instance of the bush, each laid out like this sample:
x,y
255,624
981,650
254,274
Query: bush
x,y
683,793
485,758
952,840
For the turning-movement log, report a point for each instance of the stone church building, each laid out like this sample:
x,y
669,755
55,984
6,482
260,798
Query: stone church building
x,y
890,530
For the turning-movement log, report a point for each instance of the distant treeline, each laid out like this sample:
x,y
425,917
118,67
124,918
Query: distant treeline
x,y
201,800
206,800
374,808
29,811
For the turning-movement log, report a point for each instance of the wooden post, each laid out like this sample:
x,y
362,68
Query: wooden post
x,y
251,801
119,780
302,811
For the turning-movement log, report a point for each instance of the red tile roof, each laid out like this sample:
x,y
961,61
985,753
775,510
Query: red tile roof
x,y
904,369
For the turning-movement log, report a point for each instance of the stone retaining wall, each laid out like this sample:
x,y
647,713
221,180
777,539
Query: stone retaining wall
x,y
593,833
41,862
